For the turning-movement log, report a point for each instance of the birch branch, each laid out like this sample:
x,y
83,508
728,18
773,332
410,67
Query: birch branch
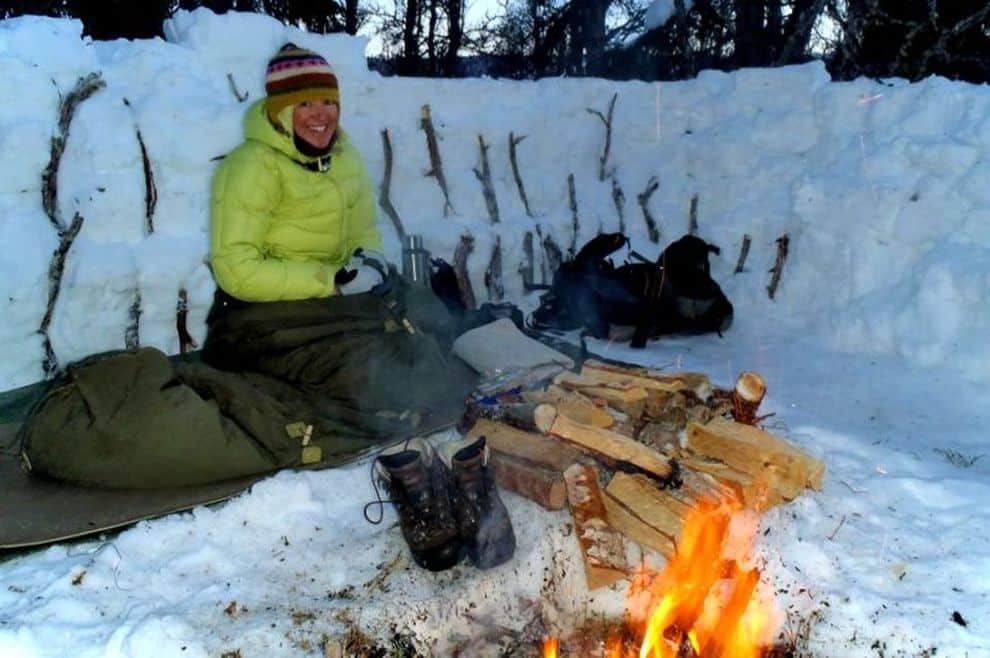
x,y
575,221
150,190
493,275
607,121
485,178
436,164
644,203
513,141
233,89
186,341
743,253
132,335
620,204
464,248
385,189
693,216
782,244
56,270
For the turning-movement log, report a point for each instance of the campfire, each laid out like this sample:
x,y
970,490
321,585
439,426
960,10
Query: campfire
x,y
675,465
705,603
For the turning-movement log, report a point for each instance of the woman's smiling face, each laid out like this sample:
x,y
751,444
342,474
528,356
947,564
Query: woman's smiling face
x,y
316,122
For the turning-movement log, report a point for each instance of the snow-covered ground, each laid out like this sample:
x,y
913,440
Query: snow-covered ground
x,y
874,346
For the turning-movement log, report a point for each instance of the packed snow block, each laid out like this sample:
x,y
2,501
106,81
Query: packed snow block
x,y
975,186
30,139
933,197
939,108
101,174
94,306
787,131
52,46
841,108
783,88
36,97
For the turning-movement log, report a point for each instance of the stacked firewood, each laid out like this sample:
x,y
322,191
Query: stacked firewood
x,y
633,450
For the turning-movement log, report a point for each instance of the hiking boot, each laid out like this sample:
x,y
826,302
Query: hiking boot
x,y
420,486
482,520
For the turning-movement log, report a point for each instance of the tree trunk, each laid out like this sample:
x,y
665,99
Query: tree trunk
x,y
455,35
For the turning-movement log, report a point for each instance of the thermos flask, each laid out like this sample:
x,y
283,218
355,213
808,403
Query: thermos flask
x,y
415,260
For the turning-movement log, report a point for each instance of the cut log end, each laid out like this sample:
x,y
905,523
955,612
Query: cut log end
x,y
543,417
747,396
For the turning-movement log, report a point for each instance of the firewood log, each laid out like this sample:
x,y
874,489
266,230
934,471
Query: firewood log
x,y
696,382
756,494
644,512
631,400
541,485
759,454
614,449
537,449
573,405
602,548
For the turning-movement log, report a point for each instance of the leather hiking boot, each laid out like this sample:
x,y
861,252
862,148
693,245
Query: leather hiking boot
x,y
482,520
419,486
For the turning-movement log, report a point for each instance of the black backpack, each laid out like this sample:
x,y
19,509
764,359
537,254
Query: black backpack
x,y
675,294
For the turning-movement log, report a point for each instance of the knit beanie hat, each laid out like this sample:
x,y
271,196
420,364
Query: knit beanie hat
x,y
295,75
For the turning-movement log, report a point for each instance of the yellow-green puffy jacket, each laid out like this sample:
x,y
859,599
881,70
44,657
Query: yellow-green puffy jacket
x,y
279,230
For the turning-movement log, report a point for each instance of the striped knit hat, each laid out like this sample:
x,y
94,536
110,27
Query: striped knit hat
x,y
296,75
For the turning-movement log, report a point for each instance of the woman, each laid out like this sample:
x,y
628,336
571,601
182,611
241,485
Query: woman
x,y
293,202
302,297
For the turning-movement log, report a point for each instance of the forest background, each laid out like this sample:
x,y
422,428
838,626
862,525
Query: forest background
x,y
615,39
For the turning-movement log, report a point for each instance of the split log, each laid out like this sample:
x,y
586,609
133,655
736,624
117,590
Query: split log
x,y
644,513
746,397
696,382
602,548
628,399
755,494
573,405
614,449
759,454
436,164
541,485
537,449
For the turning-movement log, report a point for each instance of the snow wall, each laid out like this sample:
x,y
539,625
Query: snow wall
x,y
882,187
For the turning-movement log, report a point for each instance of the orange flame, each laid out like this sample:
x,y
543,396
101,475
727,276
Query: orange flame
x,y
550,647
704,603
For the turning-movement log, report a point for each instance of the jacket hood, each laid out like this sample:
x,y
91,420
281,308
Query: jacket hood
x,y
258,128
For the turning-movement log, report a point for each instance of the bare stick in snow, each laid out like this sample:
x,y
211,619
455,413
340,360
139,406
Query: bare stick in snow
x,y
132,335
544,260
553,254
233,89
527,268
575,222
493,275
436,164
782,244
513,141
693,216
607,121
485,178
644,203
743,253
619,197
150,190
186,341
85,87
464,248
56,270
385,189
